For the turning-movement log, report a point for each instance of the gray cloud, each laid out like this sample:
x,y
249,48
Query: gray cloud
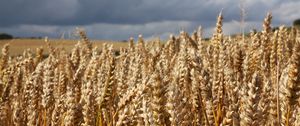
x,y
82,12
120,19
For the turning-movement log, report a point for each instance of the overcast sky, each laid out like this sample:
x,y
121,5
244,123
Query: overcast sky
x,y
121,19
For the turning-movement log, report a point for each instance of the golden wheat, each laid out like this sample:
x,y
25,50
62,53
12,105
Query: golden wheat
x,y
185,81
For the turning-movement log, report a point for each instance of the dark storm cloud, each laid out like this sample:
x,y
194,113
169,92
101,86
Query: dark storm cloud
x,y
120,19
144,11
45,12
83,12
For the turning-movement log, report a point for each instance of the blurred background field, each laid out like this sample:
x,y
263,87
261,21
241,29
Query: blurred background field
x,y
18,46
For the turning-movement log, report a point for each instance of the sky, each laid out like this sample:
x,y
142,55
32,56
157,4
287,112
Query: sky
x,y
122,19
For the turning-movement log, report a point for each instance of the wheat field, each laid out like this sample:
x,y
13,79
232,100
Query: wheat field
x,y
185,81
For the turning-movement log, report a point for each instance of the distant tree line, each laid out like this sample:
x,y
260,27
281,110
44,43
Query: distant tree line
x,y
297,23
5,36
